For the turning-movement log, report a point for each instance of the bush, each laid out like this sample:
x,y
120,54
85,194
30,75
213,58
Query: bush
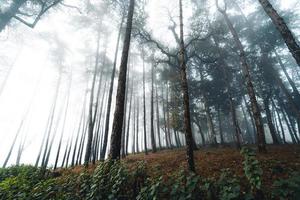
x,y
252,169
287,188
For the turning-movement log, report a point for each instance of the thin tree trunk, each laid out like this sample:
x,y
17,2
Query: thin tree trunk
x,y
168,119
82,142
252,119
137,124
187,116
250,139
65,153
81,125
91,120
280,122
220,127
111,87
126,138
261,142
134,127
201,133
291,82
20,151
157,116
144,106
153,142
101,128
49,123
270,123
69,152
211,126
165,121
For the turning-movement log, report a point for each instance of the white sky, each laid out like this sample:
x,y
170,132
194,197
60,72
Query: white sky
x,y
35,75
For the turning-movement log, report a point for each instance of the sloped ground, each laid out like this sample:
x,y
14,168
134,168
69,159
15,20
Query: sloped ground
x,y
210,161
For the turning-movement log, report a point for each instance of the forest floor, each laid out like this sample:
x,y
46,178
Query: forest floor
x,y
209,162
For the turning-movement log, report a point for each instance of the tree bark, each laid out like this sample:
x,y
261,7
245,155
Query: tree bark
x,y
153,143
120,99
111,86
186,101
157,116
144,105
283,29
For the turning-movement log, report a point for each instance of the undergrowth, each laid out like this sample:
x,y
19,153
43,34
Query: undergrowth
x,y
113,180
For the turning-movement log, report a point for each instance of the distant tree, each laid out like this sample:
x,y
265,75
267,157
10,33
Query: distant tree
x,y
153,142
249,84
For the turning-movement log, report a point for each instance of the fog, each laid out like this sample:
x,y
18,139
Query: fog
x,y
57,58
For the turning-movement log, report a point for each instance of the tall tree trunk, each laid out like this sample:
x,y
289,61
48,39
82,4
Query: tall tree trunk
x,y
283,29
65,153
252,119
165,120
157,116
144,106
46,136
119,111
288,125
64,120
186,101
100,114
168,134
82,142
111,87
201,132
137,124
21,147
20,150
229,94
153,142
211,126
80,127
220,126
269,119
249,136
134,127
280,121
125,113
261,142
69,153
291,82
126,138
91,120
13,9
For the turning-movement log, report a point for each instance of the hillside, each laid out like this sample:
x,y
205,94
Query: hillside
x,y
222,173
